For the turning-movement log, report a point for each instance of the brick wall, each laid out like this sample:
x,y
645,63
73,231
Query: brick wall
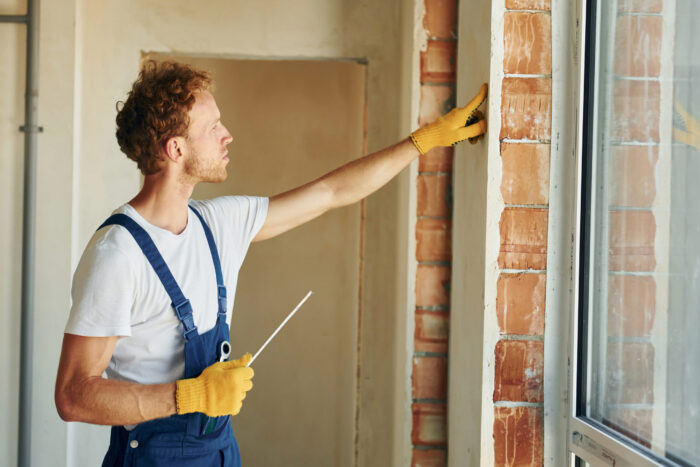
x,y
525,136
433,232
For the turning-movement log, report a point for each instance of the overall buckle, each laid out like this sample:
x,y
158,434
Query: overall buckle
x,y
187,309
183,310
222,299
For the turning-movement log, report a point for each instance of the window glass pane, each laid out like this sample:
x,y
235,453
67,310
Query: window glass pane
x,y
643,355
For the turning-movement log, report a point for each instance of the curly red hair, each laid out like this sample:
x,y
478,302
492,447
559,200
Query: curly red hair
x,y
156,109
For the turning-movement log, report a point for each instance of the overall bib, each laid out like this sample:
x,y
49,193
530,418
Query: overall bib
x,y
179,440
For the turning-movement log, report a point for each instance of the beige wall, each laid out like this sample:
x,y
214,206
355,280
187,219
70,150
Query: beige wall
x,y
11,172
90,52
474,233
54,205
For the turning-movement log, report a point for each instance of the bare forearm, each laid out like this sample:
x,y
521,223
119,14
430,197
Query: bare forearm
x,y
108,402
362,177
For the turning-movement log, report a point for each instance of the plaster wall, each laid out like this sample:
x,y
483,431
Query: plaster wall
x,y
477,202
54,199
12,69
90,54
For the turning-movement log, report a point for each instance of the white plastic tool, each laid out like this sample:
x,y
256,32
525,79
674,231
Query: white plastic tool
x,y
279,327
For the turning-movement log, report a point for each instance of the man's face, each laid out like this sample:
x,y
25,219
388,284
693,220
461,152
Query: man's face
x,y
206,142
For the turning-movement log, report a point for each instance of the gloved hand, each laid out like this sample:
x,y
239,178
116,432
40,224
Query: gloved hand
x,y
450,128
219,390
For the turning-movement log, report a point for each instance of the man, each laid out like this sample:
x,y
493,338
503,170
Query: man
x,y
150,292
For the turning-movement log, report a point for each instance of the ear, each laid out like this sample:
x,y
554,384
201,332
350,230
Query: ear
x,y
174,148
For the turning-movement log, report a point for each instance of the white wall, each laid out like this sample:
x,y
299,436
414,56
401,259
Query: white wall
x,y
53,243
89,56
12,65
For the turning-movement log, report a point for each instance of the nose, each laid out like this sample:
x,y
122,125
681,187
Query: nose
x,y
227,137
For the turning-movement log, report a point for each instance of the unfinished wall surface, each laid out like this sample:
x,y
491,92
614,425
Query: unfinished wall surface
x,y
90,54
96,46
525,136
500,241
496,390
496,288
433,232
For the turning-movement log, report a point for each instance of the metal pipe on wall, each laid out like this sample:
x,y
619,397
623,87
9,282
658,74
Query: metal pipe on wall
x,y
30,128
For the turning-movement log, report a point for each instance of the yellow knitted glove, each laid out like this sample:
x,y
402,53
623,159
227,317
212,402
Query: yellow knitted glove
x,y
219,390
450,128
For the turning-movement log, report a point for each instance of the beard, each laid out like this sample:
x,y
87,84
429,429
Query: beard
x,y
204,169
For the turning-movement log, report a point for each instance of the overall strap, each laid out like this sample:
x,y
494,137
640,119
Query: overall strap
x,y
221,288
182,306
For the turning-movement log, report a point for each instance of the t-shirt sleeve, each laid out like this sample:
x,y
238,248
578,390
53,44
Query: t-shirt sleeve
x,y
236,219
103,294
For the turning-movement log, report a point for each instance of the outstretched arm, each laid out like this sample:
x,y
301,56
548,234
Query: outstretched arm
x,y
345,185
362,177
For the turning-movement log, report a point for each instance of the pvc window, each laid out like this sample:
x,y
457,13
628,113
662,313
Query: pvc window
x,y
637,353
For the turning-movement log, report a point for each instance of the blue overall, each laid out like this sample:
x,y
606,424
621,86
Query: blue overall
x,y
179,440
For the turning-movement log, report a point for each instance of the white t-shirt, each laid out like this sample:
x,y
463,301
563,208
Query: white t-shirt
x,y
116,292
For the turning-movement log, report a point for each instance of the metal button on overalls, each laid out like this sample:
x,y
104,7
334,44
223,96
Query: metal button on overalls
x,y
179,440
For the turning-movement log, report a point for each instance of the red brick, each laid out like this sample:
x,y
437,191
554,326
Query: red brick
x,y
520,303
440,20
432,331
631,305
526,108
517,436
640,6
632,235
519,371
523,238
527,41
429,458
429,377
629,373
434,102
635,112
429,424
438,63
632,175
433,240
525,176
438,159
434,192
432,285
528,4
638,45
